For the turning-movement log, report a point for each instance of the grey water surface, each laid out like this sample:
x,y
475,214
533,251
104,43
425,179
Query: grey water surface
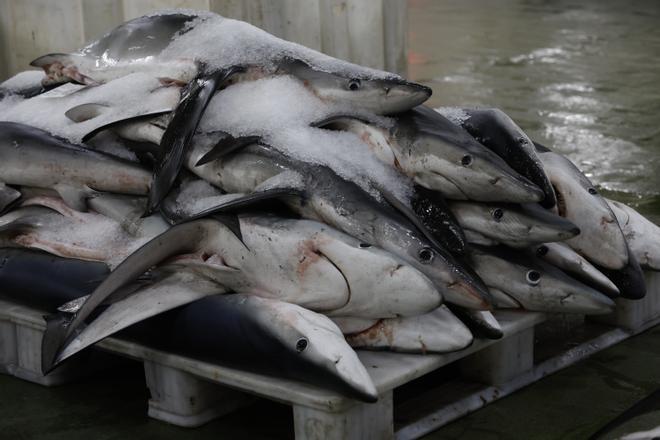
x,y
582,77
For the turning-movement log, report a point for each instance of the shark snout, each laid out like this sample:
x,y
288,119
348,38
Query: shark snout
x,y
582,299
465,294
518,189
402,96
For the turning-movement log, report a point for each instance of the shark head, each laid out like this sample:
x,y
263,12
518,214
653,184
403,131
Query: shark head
x,y
381,95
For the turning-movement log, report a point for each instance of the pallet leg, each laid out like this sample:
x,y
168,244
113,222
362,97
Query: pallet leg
x,y
362,421
184,400
502,361
635,314
20,356
8,350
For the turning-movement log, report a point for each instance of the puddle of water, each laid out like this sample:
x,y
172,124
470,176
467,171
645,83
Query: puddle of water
x,y
581,77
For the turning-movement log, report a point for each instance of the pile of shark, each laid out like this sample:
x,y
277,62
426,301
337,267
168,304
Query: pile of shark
x,y
194,182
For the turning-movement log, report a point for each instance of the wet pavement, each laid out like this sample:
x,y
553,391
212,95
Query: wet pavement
x,y
580,76
573,403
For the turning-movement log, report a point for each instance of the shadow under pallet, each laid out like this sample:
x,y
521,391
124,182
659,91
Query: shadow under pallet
x,y
418,393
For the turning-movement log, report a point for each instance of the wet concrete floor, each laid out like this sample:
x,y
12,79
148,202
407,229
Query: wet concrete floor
x,y
571,404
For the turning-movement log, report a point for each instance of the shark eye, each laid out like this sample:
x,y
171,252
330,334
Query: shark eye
x,y
301,344
592,191
541,250
497,214
365,245
533,277
354,84
466,160
426,255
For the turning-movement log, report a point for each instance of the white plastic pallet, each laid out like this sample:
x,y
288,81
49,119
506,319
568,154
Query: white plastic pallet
x,y
187,392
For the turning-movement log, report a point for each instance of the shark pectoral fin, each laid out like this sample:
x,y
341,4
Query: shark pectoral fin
x,y
85,112
73,306
56,327
329,120
8,197
119,120
46,60
171,292
61,68
541,148
75,196
287,183
19,226
432,209
343,118
181,129
482,323
232,223
176,240
242,201
629,279
227,145
408,213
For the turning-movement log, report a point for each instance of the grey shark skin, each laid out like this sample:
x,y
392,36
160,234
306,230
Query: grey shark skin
x,y
323,195
436,216
536,285
262,335
60,279
601,240
629,279
32,157
513,225
642,236
438,331
441,156
566,259
8,197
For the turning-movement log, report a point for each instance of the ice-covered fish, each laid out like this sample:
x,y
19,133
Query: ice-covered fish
x,y
178,45
206,51
77,112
